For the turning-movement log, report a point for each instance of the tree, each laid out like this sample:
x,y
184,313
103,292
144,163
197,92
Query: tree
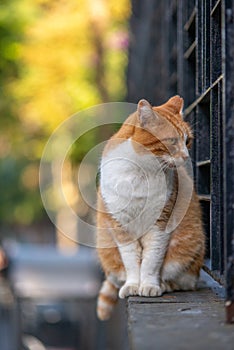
x,y
57,58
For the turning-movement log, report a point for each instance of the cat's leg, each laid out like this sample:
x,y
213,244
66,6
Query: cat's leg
x,y
154,245
187,281
175,276
131,256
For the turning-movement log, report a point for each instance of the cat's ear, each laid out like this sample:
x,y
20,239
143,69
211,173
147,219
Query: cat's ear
x,y
176,103
145,113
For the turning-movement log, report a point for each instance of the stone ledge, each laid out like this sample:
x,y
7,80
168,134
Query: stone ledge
x,y
181,320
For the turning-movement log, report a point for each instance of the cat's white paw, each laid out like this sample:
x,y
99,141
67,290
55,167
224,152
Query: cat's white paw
x,y
128,289
150,290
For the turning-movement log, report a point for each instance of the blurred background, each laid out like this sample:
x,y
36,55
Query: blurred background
x,y
57,57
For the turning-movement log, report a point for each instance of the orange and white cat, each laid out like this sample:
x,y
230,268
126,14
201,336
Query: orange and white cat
x,y
150,237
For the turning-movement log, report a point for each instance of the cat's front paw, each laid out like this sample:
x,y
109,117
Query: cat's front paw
x,y
150,290
128,289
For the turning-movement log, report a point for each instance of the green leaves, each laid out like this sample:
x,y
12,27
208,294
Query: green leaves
x,y
56,58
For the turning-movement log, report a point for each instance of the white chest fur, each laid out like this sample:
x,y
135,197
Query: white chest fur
x,y
134,187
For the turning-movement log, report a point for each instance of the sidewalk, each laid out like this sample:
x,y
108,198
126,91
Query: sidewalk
x,y
181,320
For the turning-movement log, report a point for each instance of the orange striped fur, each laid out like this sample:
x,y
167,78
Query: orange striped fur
x,y
151,129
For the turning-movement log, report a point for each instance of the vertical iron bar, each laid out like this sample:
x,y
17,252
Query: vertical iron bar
x,y
228,54
216,193
199,51
206,82
216,185
180,49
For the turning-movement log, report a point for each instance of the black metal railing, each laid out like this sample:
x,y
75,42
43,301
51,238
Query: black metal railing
x,y
205,78
195,40
200,57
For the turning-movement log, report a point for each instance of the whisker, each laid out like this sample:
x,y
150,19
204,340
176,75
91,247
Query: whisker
x,y
192,125
165,166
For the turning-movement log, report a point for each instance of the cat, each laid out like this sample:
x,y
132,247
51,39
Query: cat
x,y
141,168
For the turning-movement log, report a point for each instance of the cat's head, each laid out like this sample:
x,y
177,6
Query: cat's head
x,y
163,130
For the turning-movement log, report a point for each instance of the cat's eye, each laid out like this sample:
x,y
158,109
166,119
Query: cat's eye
x,y
172,141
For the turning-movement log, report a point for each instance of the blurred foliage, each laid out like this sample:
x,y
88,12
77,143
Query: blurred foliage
x,y
57,57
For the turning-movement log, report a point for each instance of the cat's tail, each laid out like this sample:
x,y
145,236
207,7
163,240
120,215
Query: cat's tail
x,y
107,299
